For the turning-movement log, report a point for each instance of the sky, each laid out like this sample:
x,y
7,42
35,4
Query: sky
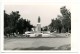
x,y
31,12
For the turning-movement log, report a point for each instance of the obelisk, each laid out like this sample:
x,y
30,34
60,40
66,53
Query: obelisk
x,y
39,25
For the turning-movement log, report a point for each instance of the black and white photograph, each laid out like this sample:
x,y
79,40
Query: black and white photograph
x,y
37,27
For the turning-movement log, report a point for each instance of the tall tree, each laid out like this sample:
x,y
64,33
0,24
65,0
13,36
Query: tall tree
x,y
6,23
6,19
13,23
23,25
67,18
56,25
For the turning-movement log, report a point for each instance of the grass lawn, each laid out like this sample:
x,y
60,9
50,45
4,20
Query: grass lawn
x,y
37,43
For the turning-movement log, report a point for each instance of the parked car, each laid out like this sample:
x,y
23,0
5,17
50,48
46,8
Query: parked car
x,y
29,34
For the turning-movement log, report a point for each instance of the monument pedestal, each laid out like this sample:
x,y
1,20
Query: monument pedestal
x,y
38,27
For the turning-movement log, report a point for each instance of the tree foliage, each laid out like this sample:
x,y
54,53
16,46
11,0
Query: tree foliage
x,y
62,22
13,23
56,25
66,22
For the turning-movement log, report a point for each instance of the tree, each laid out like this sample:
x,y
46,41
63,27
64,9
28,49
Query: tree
x,y
29,26
45,28
6,23
6,19
13,23
23,25
56,25
66,22
51,26
14,16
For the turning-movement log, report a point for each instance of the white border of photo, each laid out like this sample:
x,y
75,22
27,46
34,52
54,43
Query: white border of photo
x,y
75,27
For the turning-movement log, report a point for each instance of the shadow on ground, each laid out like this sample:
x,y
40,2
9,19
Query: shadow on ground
x,y
64,47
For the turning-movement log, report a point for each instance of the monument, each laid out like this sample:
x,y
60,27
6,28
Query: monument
x,y
39,25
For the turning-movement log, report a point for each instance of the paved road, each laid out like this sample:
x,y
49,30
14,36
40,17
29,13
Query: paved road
x,y
12,43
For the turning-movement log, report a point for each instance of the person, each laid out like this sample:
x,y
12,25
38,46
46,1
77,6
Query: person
x,y
67,34
8,35
15,34
18,32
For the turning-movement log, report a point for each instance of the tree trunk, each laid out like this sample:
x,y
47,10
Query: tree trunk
x,y
68,30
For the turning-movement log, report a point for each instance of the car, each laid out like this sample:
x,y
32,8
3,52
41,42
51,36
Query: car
x,y
29,34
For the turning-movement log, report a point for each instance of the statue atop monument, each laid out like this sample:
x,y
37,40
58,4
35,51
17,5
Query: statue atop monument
x,y
39,19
